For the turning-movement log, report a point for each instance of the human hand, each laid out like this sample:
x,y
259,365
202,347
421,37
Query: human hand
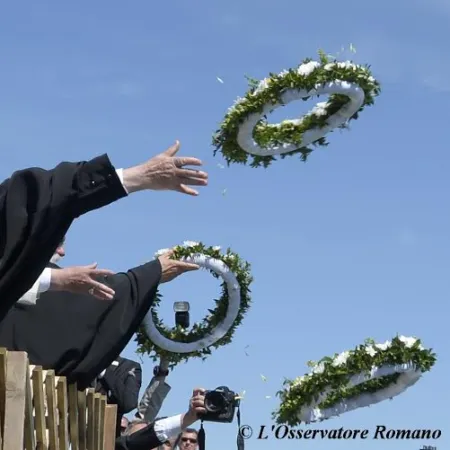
x,y
166,172
82,280
196,407
172,268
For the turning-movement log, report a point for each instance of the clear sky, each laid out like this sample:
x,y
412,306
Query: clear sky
x,y
353,244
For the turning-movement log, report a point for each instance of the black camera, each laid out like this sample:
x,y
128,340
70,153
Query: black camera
x,y
220,405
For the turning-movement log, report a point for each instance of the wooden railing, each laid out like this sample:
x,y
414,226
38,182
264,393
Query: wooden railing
x,y
38,410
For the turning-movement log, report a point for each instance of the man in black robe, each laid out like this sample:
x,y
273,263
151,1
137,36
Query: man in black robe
x,y
79,336
38,206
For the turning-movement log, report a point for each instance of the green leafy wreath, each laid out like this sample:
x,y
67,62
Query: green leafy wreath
x,y
353,379
217,329
245,133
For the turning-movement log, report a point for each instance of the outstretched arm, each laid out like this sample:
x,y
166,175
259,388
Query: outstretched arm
x,y
38,206
155,394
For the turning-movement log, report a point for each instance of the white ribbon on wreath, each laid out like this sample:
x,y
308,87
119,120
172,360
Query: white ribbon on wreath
x,y
217,333
351,90
409,376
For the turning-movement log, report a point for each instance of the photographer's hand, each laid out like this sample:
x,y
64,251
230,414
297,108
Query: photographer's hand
x,y
196,408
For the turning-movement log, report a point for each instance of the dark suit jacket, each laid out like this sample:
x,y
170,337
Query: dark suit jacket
x,y
77,335
144,439
37,207
121,384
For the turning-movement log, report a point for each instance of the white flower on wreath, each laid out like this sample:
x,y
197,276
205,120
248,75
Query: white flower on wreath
x,y
162,252
370,350
190,243
384,346
298,381
217,248
319,368
341,359
346,65
408,341
308,68
320,109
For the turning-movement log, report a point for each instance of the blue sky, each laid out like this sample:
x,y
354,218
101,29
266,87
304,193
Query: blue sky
x,y
352,244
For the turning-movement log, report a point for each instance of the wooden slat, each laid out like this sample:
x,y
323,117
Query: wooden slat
x,y
102,420
73,417
3,354
15,400
52,412
37,378
82,419
40,411
30,438
97,444
110,427
63,413
91,419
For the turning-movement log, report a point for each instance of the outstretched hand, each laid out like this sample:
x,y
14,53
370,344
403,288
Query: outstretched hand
x,y
166,171
172,268
82,280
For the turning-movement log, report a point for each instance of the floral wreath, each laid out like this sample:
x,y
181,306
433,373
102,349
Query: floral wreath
x,y
353,379
217,329
245,132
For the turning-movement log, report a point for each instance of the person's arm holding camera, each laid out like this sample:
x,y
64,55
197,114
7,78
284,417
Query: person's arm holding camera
x,y
155,393
161,431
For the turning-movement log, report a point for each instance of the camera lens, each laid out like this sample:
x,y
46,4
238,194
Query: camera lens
x,y
215,401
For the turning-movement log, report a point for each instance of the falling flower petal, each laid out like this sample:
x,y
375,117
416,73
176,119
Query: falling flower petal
x,y
220,166
219,80
263,378
352,49
224,192
268,396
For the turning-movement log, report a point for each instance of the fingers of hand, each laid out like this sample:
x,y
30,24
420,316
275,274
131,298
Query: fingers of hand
x,y
198,401
102,288
100,294
192,173
193,181
186,190
185,267
166,256
199,391
187,161
101,273
200,410
172,151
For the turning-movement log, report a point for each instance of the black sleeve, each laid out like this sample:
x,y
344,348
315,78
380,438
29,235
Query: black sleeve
x,y
144,439
115,326
124,381
37,207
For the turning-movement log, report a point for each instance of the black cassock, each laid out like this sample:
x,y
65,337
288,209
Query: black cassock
x,y
37,207
77,335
